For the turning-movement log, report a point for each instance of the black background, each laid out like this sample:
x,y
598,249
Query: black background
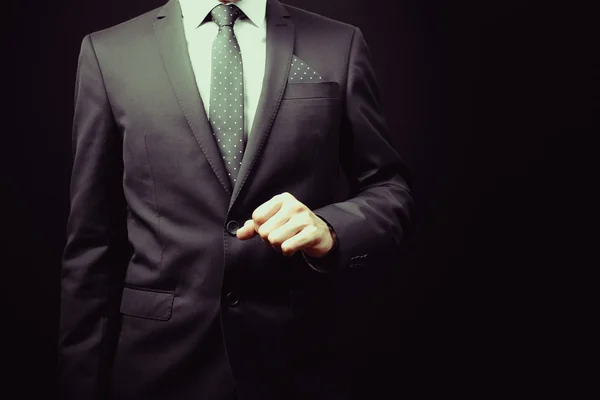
x,y
486,101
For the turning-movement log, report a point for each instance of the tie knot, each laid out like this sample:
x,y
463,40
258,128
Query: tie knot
x,y
225,14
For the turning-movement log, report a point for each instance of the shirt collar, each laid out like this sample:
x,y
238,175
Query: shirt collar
x,y
196,11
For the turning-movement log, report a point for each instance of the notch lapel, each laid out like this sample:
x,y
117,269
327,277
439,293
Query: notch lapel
x,y
280,47
168,29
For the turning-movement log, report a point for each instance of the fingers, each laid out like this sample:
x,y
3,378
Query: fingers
x,y
304,238
267,210
277,221
247,231
272,220
283,231
260,215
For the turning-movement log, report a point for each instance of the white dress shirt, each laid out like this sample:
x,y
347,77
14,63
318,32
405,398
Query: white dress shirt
x,y
251,34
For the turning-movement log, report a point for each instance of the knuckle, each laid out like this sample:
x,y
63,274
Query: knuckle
x,y
299,207
305,218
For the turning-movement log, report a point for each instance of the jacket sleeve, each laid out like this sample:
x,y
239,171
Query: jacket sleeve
x,y
379,210
96,252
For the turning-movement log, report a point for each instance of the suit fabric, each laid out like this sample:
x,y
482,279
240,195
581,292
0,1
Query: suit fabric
x,y
160,300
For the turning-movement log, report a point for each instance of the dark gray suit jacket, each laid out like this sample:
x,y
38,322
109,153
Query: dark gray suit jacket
x,y
160,300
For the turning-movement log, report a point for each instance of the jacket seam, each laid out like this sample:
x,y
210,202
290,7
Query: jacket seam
x,y
112,113
158,215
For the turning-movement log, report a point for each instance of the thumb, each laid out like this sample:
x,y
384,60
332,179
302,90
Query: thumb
x,y
247,231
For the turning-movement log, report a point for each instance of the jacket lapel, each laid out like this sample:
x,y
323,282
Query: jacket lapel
x,y
280,47
168,28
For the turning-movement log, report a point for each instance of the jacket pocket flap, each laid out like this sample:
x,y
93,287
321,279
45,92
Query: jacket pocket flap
x,y
311,90
147,303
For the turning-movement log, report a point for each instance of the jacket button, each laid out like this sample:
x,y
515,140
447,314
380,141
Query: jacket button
x,y
232,299
232,227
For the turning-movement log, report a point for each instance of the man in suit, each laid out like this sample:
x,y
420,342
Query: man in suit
x,y
204,236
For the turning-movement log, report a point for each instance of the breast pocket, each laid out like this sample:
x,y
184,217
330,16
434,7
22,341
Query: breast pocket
x,y
314,91
306,115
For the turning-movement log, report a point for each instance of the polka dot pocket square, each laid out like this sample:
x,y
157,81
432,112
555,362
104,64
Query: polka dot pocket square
x,y
305,82
301,72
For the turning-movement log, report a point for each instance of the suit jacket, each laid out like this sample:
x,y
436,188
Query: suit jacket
x,y
160,300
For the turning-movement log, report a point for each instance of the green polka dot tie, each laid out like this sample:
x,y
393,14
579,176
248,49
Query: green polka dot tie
x,y
226,111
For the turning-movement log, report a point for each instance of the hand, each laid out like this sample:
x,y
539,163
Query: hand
x,y
288,226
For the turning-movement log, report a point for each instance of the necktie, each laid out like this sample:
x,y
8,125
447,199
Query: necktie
x,y
226,111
